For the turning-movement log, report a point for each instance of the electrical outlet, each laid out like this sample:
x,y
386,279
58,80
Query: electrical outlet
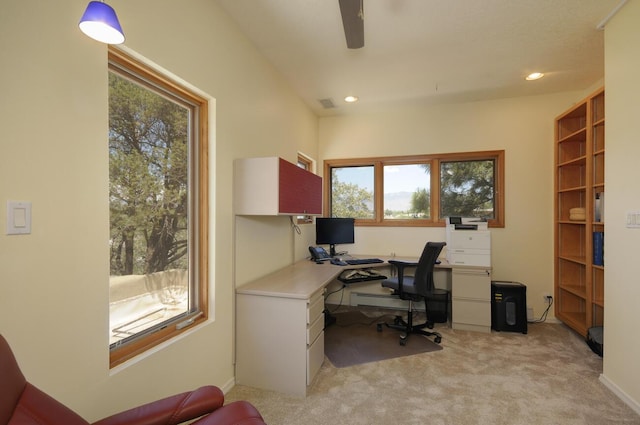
x,y
547,298
529,313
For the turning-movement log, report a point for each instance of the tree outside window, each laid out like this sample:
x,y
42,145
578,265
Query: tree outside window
x,y
467,188
148,180
352,192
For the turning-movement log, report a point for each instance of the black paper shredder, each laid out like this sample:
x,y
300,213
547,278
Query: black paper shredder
x,y
508,306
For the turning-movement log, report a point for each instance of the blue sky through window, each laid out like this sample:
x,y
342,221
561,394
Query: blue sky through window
x,y
405,178
360,176
397,178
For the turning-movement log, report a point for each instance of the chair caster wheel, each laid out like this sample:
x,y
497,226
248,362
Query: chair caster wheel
x,y
403,342
437,340
379,327
430,325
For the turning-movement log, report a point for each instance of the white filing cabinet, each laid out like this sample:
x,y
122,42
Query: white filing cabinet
x,y
280,341
471,299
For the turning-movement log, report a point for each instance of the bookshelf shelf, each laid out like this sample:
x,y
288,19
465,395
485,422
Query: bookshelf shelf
x,y
580,185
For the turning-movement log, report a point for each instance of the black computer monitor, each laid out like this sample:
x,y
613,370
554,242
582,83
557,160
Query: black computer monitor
x,y
334,231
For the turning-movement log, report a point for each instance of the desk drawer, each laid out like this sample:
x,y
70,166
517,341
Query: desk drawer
x,y
315,308
315,357
475,284
315,329
471,312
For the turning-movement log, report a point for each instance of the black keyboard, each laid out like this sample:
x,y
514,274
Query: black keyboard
x,y
357,261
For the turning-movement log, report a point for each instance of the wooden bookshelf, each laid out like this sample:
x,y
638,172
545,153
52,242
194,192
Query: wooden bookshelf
x,y
579,180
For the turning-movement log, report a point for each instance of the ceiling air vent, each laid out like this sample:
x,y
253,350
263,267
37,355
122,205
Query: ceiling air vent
x,y
327,103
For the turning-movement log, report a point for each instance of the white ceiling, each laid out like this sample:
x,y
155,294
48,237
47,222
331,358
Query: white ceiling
x,y
428,51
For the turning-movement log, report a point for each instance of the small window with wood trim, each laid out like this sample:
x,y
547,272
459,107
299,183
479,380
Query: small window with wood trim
x,y
306,163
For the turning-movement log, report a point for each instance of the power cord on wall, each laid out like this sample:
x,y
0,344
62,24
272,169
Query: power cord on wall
x,y
294,226
543,317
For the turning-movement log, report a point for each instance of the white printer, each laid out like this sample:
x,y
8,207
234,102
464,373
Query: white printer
x,y
468,241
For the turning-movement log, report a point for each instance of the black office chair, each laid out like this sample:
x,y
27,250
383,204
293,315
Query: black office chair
x,y
417,288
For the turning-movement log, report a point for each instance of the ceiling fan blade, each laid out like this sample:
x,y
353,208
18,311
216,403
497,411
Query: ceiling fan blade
x,y
352,12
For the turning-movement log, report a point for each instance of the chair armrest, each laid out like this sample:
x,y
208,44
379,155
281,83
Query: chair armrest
x,y
172,410
400,266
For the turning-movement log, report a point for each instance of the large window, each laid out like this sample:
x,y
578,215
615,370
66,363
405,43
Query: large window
x,y
158,205
416,190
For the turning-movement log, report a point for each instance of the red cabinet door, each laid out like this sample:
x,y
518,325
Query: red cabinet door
x,y
300,190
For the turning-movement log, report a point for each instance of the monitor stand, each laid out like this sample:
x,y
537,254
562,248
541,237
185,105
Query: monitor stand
x,y
332,250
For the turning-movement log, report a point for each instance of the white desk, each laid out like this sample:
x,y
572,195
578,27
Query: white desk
x,y
280,321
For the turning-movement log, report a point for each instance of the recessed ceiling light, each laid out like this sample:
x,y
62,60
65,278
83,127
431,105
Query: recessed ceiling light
x,y
351,99
534,76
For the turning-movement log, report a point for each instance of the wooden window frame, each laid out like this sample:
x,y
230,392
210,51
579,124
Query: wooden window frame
x,y
199,171
434,161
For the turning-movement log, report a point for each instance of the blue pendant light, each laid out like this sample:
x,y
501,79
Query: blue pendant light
x,y
101,23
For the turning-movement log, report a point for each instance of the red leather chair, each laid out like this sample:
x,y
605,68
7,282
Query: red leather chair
x,y
21,403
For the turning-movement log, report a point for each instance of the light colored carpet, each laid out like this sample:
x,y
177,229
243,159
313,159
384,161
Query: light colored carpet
x,y
548,376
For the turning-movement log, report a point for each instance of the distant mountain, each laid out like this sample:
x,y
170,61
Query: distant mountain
x,y
397,201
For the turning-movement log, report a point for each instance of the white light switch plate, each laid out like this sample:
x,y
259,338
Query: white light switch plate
x,y
633,219
18,218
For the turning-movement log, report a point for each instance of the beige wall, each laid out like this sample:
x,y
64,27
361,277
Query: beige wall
x,y
522,251
53,108
622,245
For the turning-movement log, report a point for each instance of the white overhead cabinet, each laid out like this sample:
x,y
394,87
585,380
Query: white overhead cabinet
x,y
273,186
